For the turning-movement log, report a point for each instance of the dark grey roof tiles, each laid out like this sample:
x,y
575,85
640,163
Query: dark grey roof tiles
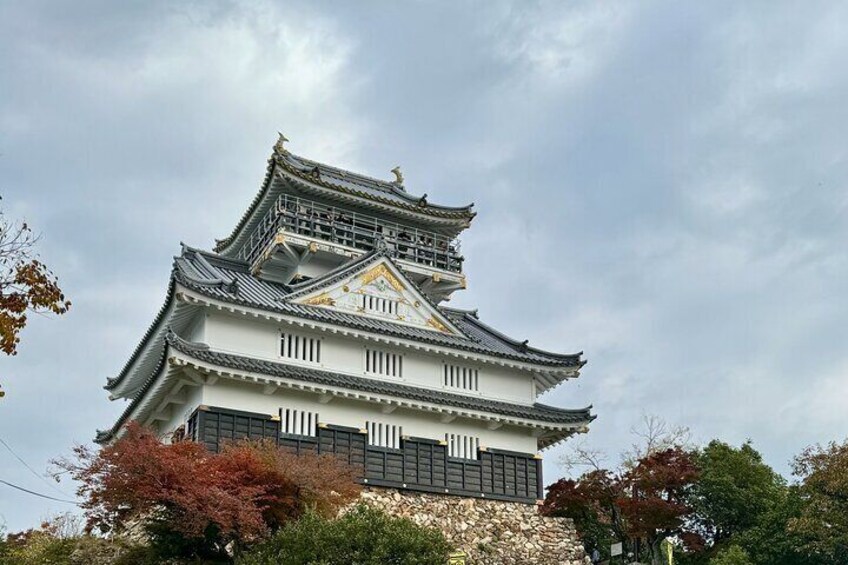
x,y
358,183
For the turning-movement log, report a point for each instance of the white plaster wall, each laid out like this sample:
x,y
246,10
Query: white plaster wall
x,y
250,398
258,338
180,412
197,330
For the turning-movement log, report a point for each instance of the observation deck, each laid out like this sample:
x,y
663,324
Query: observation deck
x,y
299,238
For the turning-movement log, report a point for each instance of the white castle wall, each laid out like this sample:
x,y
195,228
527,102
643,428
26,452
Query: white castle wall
x,y
260,339
250,398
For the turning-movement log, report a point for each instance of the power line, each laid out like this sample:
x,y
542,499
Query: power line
x,y
31,470
32,492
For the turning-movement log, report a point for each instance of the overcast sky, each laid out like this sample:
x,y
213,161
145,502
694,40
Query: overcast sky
x,y
659,184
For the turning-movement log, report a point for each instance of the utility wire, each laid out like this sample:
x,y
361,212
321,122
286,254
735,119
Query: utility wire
x,y
32,492
31,470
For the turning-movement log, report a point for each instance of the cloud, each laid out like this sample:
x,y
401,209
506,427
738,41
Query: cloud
x,y
661,185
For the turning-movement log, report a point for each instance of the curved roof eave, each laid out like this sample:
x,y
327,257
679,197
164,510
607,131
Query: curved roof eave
x,y
307,172
113,383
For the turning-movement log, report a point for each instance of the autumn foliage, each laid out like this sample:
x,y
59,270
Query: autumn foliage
x,y
208,500
645,503
26,284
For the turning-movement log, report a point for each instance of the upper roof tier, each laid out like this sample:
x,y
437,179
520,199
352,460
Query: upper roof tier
x,y
290,174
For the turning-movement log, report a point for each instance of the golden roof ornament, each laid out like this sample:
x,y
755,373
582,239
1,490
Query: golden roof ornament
x,y
398,175
279,147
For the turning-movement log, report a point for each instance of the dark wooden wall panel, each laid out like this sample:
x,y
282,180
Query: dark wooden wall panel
x,y
419,464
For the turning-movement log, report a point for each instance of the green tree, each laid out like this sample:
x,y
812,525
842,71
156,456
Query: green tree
x,y
823,520
734,491
363,536
771,542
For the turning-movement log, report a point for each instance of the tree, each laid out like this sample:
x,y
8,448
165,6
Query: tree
x,y
770,541
26,284
607,505
193,503
658,488
823,520
734,491
653,435
592,503
639,507
364,536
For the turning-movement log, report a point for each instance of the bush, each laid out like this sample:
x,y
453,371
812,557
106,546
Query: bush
x,y
363,536
733,555
42,548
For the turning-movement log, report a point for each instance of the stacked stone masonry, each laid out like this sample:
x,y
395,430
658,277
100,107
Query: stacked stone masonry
x,y
490,532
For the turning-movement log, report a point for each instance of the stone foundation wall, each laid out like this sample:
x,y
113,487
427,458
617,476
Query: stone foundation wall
x,y
491,532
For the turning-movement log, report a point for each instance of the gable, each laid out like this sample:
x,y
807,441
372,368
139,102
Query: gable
x,y
380,290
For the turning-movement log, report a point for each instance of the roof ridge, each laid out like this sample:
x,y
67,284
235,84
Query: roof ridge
x,y
521,345
345,172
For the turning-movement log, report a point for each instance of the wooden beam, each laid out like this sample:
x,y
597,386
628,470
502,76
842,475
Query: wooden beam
x,y
493,425
447,418
172,399
269,389
325,398
388,408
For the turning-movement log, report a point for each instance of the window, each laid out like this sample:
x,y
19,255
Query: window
x,y
465,378
384,435
383,363
462,446
300,348
298,422
377,305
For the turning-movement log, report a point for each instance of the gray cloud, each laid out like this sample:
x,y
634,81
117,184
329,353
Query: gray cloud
x,y
660,185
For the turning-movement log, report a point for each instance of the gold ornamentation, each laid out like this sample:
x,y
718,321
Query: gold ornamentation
x,y
346,288
434,323
382,271
321,300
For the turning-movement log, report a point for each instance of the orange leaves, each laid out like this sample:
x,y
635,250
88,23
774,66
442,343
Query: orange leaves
x,y
241,493
29,286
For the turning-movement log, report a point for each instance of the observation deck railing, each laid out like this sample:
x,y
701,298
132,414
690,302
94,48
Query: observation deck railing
x,y
360,231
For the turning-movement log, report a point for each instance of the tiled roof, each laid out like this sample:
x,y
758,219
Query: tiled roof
x,y
229,280
541,412
362,185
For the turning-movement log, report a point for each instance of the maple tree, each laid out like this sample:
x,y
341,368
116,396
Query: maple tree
x,y
26,284
194,503
655,506
639,506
